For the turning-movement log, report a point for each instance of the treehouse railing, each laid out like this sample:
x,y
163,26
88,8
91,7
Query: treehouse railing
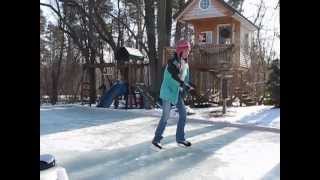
x,y
206,57
211,57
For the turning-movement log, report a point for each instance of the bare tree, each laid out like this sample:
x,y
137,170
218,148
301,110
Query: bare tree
x,y
82,32
256,76
53,62
92,25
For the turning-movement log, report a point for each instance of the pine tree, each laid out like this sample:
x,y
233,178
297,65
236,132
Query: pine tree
x,y
274,82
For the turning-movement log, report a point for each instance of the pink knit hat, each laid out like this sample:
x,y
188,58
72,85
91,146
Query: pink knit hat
x,y
182,45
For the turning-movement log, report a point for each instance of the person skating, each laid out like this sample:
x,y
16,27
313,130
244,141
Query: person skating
x,y
173,88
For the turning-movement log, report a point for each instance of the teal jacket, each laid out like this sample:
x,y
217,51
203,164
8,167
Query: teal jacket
x,y
171,80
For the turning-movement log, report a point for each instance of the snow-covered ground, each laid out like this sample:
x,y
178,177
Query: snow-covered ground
x,y
257,116
99,144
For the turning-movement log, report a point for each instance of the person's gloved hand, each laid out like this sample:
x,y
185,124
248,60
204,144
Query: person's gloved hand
x,y
192,85
192,90
187,87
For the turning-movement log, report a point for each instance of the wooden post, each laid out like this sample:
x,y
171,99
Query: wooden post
x,y
224,93
142,73
134,71
130,77
224,108
241,89
201,80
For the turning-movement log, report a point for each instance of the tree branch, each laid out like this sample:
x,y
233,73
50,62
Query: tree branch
x,y
71,33
106,37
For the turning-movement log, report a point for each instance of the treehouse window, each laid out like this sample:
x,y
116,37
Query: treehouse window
x,y
205,37
224,34
204,4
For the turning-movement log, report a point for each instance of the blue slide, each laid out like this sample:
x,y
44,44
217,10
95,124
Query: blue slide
x,y
118,89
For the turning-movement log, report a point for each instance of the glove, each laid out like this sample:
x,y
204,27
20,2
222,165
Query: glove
x,y
191,88
186,87
192,85
193,92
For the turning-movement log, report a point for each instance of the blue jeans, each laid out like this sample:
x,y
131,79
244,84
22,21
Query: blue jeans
x,y
166,107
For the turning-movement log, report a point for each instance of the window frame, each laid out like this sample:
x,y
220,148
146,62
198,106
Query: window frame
x,y
209,4
218,32
207,42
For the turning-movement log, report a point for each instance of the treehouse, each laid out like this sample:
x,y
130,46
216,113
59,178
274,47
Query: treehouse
x,y
220,45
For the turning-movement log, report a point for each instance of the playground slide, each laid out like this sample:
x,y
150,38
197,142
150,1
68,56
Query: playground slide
x,y
118,89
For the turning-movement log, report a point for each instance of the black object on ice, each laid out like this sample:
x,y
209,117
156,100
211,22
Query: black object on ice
x,y
47,161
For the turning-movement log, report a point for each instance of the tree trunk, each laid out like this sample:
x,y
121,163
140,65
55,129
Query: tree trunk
x,y
56,74
185,34
54,92
92,79
179,25
92,56
168,20
177,36
163,39
151,34
120,27
140,28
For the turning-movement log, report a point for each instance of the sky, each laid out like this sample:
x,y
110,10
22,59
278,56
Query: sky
x,y
270,21
250,7
47,11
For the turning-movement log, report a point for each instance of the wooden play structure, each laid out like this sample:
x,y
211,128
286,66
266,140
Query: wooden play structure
x,y
136,72
131,68
220,53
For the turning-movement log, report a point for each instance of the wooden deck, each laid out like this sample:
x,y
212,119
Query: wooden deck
x,y
211,57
